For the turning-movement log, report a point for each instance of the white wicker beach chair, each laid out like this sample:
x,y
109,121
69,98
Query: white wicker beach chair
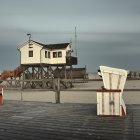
x,y
109,99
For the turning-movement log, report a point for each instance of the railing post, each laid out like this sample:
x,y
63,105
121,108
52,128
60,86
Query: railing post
x,y
57,90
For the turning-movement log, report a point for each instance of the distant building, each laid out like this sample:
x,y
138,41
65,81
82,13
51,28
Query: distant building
x,y
33,53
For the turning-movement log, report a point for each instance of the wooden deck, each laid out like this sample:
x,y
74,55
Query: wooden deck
x,y
41,121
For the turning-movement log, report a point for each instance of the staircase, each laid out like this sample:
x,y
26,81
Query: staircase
x,y
18,71
12,73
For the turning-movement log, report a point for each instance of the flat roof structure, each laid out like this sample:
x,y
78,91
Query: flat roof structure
x,y
69,121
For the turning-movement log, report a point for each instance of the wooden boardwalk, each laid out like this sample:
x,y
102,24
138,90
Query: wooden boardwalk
x,y
43,121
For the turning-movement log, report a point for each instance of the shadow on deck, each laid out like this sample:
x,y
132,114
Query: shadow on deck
x,y
37,120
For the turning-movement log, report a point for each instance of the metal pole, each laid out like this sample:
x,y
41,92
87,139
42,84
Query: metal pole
x,y
75,42
29,40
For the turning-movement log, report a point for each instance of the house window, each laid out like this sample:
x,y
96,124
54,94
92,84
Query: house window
x,y
46,54
30,53
30,45
54,54
49,55
59,54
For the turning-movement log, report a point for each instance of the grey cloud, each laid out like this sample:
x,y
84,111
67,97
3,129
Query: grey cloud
x,y
108,30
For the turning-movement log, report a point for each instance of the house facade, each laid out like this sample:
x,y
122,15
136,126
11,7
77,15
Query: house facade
x,y
52,54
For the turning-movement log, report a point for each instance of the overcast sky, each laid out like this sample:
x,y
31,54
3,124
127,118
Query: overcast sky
x,y
108,31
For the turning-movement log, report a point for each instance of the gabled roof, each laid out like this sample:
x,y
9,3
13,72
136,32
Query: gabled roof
x,y
48,46
53,46
57,46
38,43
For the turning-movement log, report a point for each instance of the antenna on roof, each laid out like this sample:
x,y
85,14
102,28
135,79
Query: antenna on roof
x,y
29,36
75,42
29,40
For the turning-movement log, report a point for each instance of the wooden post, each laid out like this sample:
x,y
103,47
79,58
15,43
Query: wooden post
x,y
23,78
57,91
1,95
71,72
21,96
65,72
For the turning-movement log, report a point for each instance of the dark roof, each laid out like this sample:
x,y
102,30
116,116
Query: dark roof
x,y
56,46
53,46
38,43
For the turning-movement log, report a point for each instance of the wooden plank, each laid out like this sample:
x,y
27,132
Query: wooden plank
x,y
36,120
108,90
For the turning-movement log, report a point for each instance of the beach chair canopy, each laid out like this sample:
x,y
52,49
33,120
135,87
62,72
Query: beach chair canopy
x,y
113,78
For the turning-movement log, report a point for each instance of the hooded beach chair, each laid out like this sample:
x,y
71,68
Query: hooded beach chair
x,y
109,99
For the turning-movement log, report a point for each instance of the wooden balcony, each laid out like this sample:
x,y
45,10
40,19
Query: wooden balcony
x,y
70,60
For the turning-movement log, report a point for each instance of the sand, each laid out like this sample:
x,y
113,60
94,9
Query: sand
x,y
130,97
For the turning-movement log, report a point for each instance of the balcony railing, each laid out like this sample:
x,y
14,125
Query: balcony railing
x,y
70,60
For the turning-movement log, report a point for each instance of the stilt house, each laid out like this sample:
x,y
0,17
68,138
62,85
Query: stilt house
x,y
35,53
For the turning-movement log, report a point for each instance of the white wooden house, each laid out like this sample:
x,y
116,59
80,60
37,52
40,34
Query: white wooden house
x,y
33,52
